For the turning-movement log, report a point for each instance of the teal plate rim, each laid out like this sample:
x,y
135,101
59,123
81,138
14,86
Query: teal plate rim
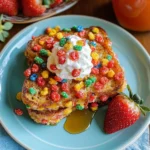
x,y
5,50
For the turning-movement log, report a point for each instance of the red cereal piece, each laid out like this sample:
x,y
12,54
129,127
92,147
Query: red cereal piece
x,y
93,48
49,46
99,39
95,71
44,121
92,97
98,86
36,48
55,96
103,98
58,79
118,76
53,67
94,104
49,40
103,80
35,68
61,53
65,87
79,94
54,88
27,72
18,112
76,72
103,70
74,55
40,81
82,33
110,64
95,62
62,60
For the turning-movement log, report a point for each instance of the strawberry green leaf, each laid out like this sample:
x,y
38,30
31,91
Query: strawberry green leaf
x,y
1,18
143,112
5,34
7,25
145,108
130,91
2,39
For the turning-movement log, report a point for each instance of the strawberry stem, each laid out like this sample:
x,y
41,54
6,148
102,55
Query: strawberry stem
x,y
130,91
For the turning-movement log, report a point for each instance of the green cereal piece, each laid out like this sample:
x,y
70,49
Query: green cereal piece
x,y
32,91
74,28
43,52
79,107
109,57
27,106
88,82
38,60
77,47
62,42
64,94
93,79
66,29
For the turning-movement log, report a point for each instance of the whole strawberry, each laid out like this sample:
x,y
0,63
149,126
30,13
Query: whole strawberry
x,y
9,7
33,8
123,111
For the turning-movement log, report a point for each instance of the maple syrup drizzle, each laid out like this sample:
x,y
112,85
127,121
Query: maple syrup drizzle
x,y
79,121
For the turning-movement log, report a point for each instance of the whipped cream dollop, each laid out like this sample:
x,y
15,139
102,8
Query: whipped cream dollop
x,y
83,63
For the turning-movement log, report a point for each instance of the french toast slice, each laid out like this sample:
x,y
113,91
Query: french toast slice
x,y
109,78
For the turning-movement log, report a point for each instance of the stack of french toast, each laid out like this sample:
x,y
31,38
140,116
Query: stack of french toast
x,y
48,96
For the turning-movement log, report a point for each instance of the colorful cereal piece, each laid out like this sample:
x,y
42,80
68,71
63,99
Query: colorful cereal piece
x,y
66,29
79,107
103,70
79,94
18,96
98,65
95,55
68,46
76,72
94,106
95,30
64,95
52,32
44,121
41,42
69,104
52,81
32,91
67,111
18,112
43,65
38,60
54,87
61,52
104,62
59,35
55,96
64,80
88,82
48,30
57,28
33,77
111,64
79,86
62,42
61,60
36,48
118,76
93,43
103,98
77,47
99,38
82,33
92,97
91,36
35,68
43,52
80,28
65,87
45,74
93,79
27,106
27,72
74,56
103,80
44,92
95,62
98,85
109,57
111,73
40,81
95,71
58,79
53,67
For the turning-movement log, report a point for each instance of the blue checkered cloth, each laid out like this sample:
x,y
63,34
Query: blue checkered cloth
x,y
7,143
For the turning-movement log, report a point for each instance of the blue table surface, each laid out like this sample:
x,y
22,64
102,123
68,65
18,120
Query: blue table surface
x,y
7,143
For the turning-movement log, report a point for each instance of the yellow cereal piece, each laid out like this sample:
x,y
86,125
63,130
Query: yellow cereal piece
x,y
59,35
111,73
67,111
48,53
94,108
52,81
41,42
52,32
91,36
80,43
79,86
41,108
95,30
18,96
69,104
68,46
95,55
105,62
45,74
57,28
44,93
54,106
79,79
